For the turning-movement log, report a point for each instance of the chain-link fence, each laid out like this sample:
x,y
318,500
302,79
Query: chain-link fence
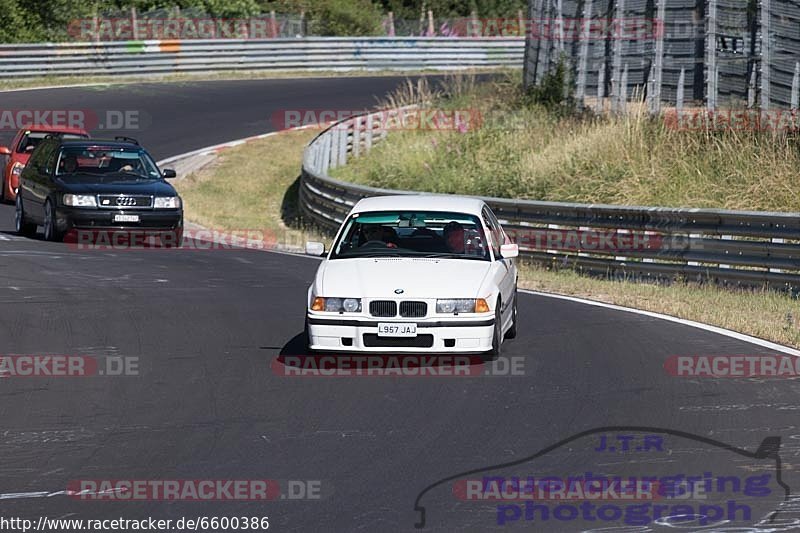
x,y
708,53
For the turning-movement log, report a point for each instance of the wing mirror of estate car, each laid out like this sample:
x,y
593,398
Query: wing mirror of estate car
x,y
315,248
168,173
509,251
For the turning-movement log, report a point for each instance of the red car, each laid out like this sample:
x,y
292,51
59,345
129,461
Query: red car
x,y
21,147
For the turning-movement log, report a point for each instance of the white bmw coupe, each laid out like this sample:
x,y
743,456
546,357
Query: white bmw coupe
x,y
415,274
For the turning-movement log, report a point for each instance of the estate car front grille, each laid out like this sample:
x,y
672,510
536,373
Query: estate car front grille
x,y
109,201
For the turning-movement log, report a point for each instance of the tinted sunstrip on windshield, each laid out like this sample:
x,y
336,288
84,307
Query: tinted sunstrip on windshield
x,y
412,234
105,160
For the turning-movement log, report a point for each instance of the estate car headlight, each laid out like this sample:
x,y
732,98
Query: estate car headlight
x,y
167,202
17,168
80,200
336,305
461,305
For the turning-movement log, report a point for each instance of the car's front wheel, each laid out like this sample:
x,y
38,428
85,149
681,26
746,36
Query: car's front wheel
x,y
497,337
22,226
512,331
51,232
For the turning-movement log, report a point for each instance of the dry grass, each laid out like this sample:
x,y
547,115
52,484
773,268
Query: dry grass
x,y
524,151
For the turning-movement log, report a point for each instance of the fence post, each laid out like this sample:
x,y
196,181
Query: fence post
x,y
134,29
273,24
658,62
766,55
711,56
616,70
431,29
751,90
679,96
390,30
623,91
601,88
584,53
532,45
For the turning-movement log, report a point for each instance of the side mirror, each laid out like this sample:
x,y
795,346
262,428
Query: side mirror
x,y
315,248
43,170
4,150
509,251
168,173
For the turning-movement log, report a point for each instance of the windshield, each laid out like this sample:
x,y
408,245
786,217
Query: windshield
x,y
412,234
105,160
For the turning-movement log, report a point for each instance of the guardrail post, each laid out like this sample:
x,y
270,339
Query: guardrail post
x,y
795,87
679,96
356,136
601,88
334,158
325,141
343,134
368,134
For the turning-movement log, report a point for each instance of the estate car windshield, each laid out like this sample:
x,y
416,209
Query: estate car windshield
x,y
412,234
105,160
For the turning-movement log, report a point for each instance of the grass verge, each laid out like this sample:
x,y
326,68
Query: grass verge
x,y
252,187
265,198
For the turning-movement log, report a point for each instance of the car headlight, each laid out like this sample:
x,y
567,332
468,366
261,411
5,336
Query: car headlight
x,y
461,305
336,305
80,200
167,202
16,169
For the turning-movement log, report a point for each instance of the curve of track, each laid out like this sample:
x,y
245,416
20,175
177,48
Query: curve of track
x,y
207,326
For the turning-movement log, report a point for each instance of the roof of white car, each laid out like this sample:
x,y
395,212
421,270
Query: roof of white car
x,y
422,202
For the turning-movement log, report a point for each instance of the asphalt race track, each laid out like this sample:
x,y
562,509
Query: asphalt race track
x,y
207,402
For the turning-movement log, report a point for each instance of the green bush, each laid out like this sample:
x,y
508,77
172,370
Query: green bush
x,y
345,17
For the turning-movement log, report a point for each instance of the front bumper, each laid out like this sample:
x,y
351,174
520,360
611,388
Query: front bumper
x,y
68,218
440,335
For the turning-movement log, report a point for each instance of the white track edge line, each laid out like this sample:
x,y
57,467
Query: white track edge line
x,y
707,327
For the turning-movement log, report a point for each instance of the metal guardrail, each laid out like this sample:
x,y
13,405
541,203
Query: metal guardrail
x,y
306,54
730,247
